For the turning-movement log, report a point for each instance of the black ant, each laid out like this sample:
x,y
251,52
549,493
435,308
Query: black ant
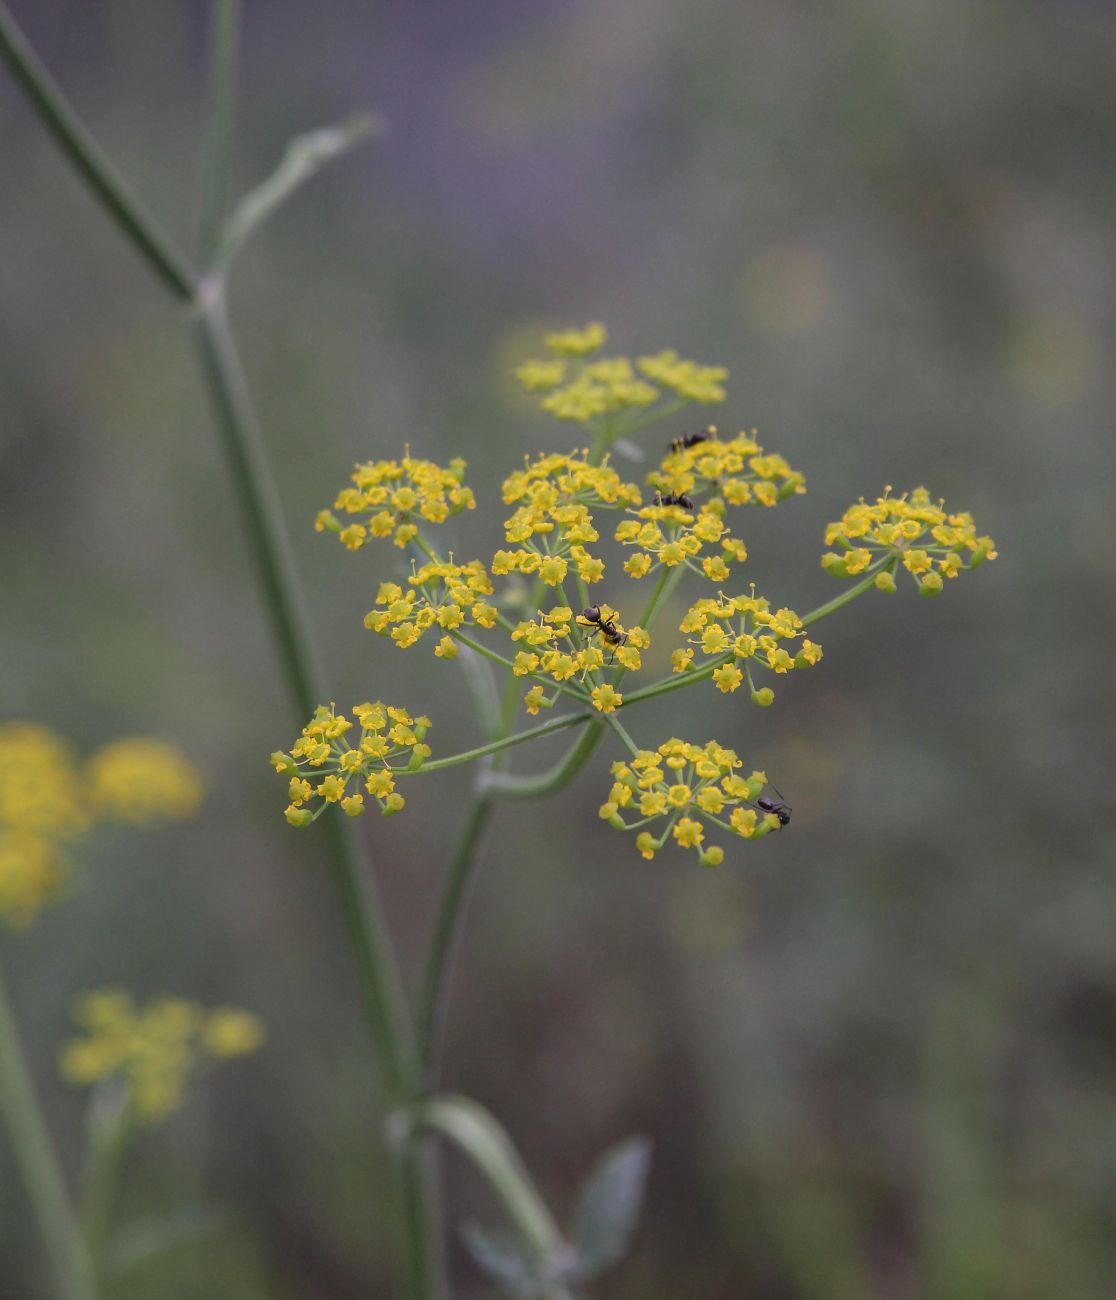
x,y
777,806
691,440
674,499
607,628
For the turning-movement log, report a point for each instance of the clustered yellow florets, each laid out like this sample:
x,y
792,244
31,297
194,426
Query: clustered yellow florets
x,y
152,1050
744,629
394,495
49,800
391,742
686,785
669,533
441,594
735,469
910,530
559,646
576,388
552,539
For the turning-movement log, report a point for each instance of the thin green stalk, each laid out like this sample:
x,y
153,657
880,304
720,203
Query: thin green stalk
x,y
38,1164
430,1017
100,175
224,42
507,742
109,1129
843,599
514,785
256,496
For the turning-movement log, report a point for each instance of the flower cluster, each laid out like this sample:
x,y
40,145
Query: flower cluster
x,y
49,801
573,387
391,742
153,1049
671,532
686,785
440,594
552,526
142,780
910,530
394,495
745,629
736,470
559,646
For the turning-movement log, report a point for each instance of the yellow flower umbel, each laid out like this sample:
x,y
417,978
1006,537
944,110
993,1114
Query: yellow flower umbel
x,y
736,470
671,532
152,1050
577,385
142,780
323,768
685,787
744,630
48,804
910,530
441,595
391,498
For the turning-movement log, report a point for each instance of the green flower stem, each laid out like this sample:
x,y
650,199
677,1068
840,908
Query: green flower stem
x,y
430,1017
618,727
99,174
109,1132
224,18
514,785
838,602
37,1162
507,742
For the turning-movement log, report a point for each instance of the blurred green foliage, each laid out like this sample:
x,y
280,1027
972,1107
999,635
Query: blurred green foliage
x,y
877,1054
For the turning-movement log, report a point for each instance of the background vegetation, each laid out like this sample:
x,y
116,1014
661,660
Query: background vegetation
x,y
877,1054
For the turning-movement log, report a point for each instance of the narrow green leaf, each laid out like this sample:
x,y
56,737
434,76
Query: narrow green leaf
x,y
609,1206
501,1257
304,156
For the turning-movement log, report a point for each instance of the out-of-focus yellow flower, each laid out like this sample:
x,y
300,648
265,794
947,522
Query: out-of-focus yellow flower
x,y
152,1050
40,788
140,780
32,871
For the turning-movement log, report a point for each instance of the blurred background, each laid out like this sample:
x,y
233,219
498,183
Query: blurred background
x,y
876,1054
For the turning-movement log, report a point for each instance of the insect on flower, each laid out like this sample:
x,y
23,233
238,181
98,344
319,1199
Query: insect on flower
x,y
691,439
594,617
781,809
674,499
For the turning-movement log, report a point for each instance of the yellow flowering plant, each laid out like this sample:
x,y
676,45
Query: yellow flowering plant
x,y
551,610
519,609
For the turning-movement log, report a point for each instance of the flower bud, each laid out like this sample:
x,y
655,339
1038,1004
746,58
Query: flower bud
x,y
283,763
393,804
978,557
931,585
299,816
885,582
326,520
764,697
836,567
713,856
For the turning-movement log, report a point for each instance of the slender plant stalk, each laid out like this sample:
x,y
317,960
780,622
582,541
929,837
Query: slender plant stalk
x,y
431,1013
69,1259
264,525
88,159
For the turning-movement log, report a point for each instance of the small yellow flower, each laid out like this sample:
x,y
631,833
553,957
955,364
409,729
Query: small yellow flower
x,y
606,698
727,678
